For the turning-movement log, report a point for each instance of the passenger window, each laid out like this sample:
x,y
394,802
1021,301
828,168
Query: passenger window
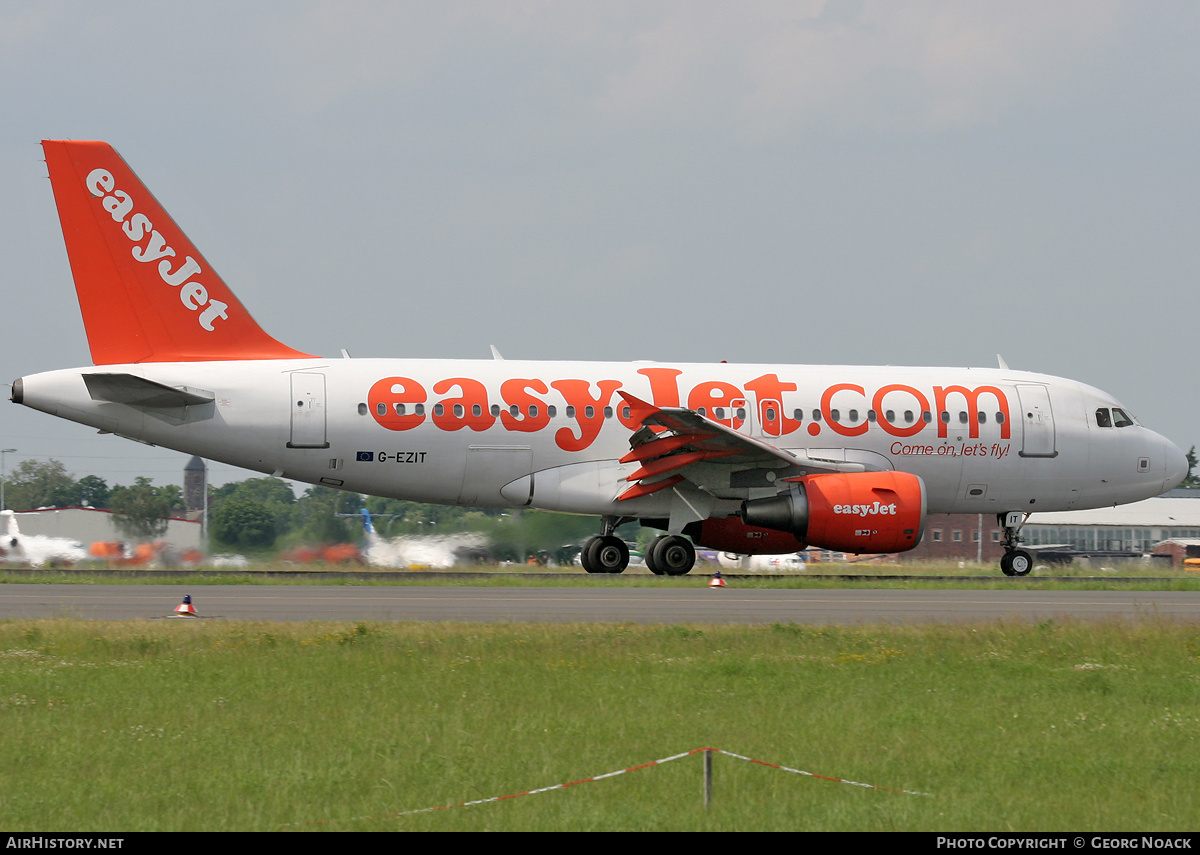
x,y
798,415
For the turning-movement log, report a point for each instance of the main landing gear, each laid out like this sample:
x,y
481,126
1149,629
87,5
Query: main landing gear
x,y
669,554
1015,561
605,553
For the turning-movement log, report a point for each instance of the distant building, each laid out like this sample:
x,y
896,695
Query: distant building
x,y
959,537
1177,549
88,525
1135,528
195,486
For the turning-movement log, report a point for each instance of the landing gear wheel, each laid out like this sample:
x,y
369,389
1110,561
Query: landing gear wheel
x,y
652,563
1018,562
585,555
608,554
675,555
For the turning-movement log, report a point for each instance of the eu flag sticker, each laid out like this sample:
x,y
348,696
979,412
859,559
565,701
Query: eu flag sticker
x,y
365,456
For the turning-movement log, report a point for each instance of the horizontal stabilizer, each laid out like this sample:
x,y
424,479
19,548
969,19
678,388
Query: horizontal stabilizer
x,y
139,392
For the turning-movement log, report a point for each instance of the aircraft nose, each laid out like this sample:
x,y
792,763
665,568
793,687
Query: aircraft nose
x,y
1177,465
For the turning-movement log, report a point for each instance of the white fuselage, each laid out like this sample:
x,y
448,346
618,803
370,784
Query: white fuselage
x,y
549,434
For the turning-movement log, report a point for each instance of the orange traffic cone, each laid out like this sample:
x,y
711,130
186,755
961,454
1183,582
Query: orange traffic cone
x,y
716,581
186,609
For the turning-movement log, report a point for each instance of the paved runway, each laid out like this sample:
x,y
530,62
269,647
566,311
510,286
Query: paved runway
x,y
638,605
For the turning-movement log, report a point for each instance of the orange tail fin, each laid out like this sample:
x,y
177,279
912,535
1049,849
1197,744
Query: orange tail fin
x,y
146,293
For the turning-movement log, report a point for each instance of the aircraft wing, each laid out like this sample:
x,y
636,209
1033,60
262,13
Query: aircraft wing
x,y
675,444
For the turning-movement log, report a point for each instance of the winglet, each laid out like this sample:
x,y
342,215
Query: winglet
x,y
146,293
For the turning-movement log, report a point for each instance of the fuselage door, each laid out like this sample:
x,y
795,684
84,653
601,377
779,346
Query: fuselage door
x,y
1037,421
491,467
308,411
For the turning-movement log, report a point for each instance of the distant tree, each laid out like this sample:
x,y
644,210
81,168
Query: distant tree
x,y
36,484
92,491
515,537
242,524
316,517
274,494
1191,480
141,512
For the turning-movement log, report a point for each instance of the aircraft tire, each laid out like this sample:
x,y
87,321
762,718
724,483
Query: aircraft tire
x,y
652,555
676,555
586,557
1018,562
610,555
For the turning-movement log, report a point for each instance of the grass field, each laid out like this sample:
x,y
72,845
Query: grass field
x,y
219,725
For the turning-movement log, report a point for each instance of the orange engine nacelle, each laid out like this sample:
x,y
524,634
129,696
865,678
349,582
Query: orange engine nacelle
x,y
850,512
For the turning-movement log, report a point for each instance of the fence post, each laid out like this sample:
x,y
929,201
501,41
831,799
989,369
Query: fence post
x,y
707,778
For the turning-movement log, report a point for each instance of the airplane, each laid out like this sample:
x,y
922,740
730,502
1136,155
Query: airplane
x,y
431,550
752,459
37,550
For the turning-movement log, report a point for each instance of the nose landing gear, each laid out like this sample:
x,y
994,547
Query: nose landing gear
x,y
1015,561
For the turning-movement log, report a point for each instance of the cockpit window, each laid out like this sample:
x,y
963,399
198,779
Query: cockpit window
x,y
1116,418
1121,418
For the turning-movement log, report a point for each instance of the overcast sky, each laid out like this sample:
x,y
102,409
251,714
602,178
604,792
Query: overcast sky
x,y
913,183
